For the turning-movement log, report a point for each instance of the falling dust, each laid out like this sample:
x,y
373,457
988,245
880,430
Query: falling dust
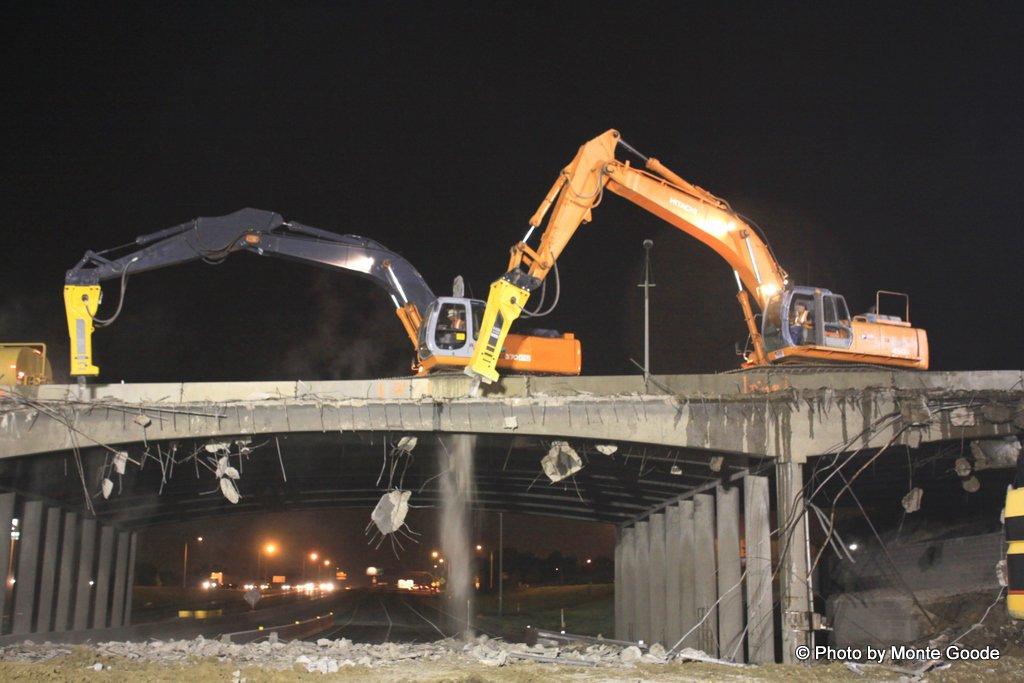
x,y
457,494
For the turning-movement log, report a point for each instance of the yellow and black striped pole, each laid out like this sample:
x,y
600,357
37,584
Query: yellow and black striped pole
x,y
1014,527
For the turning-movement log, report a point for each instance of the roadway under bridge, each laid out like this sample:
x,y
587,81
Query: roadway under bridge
x,y
706,480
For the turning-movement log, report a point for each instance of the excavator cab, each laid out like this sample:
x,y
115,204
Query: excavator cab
x,y
451,326
806,316
811,324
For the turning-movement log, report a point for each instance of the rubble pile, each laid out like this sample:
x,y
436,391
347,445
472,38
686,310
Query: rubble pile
x,y
329,656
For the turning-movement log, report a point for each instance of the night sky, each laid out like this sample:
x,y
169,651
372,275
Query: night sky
x,y
878,146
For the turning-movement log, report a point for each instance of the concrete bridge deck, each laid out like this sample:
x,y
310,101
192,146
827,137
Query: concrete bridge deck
x,y
776,413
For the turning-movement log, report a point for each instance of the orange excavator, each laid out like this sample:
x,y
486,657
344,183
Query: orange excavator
x,y
798,323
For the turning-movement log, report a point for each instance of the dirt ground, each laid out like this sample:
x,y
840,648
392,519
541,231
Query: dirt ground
x,y
79,666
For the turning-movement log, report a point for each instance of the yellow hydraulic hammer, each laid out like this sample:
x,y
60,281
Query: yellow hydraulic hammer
x,y
80,305
505,302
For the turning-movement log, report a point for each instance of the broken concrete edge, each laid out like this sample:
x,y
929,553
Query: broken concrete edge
x,y
769,382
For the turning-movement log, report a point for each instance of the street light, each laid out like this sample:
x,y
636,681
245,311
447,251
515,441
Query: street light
x,y
313,557
434,554
269,549
184,563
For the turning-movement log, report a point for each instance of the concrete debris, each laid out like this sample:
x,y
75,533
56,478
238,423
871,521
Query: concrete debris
x,y
561,461
716,463
328,656
406,444
107,487
252,596
675,470
630,655
511,422
606,448
996,453
962,417
218,447
227,487
912,501
962,466
224,469
142,420
120,461
389,514
997,413
971,484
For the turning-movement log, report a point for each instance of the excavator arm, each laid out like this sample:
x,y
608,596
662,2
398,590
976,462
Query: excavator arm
x,y
213,239
578,190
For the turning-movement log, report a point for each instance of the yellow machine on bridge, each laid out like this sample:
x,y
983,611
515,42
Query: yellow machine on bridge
x,y
24,363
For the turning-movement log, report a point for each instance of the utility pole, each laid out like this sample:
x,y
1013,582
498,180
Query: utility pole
x,y
646,285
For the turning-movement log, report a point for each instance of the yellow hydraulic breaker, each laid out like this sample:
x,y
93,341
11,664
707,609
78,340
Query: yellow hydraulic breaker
x,y
80,305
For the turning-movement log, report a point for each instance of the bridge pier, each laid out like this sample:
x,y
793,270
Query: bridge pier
x,y
683,576
57,579
795,596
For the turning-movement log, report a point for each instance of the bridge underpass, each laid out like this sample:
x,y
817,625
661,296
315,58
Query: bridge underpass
x,y
681,512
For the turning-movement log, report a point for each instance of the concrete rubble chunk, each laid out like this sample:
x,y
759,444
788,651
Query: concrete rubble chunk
x,y
227,487
997,413
561,461
606,448
996,453
390,511
912,501
630,655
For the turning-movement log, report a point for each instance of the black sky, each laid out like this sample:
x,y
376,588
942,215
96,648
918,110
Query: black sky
x,y
879,146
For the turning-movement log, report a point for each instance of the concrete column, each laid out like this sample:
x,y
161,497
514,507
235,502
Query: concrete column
x,y
627,540
120,576
760,626
730,575
705,573
6,515
673,561
48,578
687,574
66,578
642,552
130,582
104,571
620,619
84,591
27,575
656,585
794,595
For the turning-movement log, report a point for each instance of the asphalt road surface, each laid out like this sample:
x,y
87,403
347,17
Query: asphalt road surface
x,y
390,616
